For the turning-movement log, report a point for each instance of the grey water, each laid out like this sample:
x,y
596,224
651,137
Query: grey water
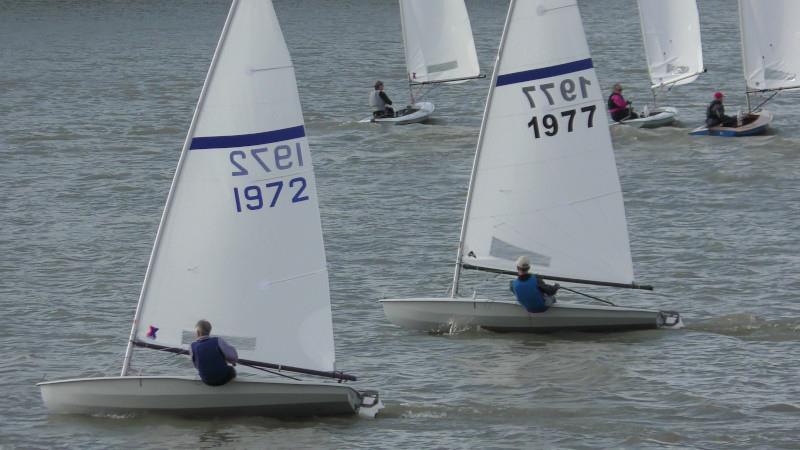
x,y
95,101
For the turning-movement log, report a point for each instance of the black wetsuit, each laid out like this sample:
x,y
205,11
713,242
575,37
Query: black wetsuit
x,y
715,115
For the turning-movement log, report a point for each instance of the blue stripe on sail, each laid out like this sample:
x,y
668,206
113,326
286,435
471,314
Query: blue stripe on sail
x,y
246,140
544,72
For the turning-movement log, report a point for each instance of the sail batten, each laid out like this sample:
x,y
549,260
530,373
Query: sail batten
x,y
769,44
671,34
240,243
438,42
544,182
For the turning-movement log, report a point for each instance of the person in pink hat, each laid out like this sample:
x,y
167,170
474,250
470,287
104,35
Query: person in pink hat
x,y
715,114
619,108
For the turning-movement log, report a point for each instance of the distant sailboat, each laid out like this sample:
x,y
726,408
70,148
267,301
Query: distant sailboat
x,y
240,244
544,184
770,34
439,48
671,35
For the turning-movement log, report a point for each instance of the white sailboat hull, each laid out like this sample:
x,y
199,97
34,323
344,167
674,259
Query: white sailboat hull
x,y
450,314
419,112
187,396
658,117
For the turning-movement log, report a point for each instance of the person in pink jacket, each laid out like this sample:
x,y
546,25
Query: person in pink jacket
x,y
619,108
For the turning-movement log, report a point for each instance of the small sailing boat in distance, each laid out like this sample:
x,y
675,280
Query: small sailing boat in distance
x,y
671,35
544,185
439,48
770,34
239,243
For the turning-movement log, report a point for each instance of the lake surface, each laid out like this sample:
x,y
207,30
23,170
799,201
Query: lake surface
x,y
95,101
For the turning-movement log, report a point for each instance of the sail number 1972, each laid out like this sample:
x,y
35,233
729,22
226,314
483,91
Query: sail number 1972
x,y
268,161
570,90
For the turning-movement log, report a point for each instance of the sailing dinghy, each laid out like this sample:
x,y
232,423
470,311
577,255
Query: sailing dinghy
x,y
240,244
771,63
671,35
543,184
439,48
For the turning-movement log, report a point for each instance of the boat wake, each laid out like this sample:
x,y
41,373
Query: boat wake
x,y
751,327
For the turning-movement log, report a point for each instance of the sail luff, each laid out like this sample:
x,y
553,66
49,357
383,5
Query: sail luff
x,y
742,40
186,144
405,50
486,109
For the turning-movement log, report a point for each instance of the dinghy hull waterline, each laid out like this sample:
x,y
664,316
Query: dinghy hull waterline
x,y
658,117
757,125
446,315
419,112
187,396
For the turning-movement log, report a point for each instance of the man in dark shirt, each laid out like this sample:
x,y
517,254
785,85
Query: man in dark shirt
x,y
531,290
211,355
380,102
715,114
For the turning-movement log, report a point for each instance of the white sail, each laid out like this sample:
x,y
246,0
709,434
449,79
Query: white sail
x,y
438,40
240,242
671,33
770,41
545,181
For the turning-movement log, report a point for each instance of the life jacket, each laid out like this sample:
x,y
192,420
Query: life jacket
x,y
376,102
715,110
612,107
528,294
209,360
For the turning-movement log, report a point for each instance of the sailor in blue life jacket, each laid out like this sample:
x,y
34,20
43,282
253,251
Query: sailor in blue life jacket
x,y
211,355
531,291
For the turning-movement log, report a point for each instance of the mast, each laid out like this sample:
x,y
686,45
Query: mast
x,y
741,38
403,35
129,350
459,256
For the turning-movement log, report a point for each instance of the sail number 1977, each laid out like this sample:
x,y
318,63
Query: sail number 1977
x,y
570,90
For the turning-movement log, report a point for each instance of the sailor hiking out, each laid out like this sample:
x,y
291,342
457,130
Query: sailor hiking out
x,y
531,290
211,355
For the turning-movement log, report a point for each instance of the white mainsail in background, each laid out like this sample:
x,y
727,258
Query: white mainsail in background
x,y
438,41
770,33
671,33
555,197
240,242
